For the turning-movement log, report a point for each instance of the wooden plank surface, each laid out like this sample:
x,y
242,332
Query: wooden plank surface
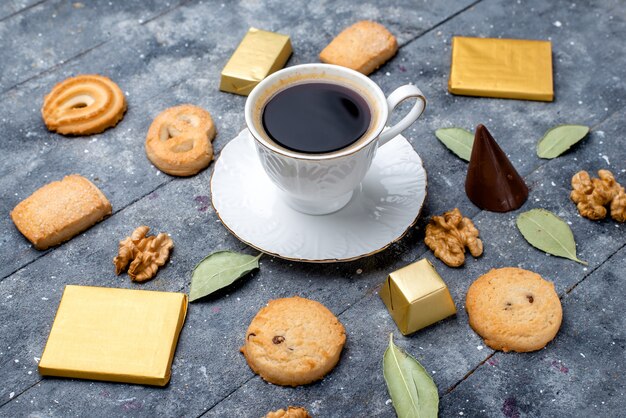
x,y
166,53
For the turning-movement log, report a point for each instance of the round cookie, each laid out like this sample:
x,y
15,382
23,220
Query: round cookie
x,y
293,341
514,309
179,140
83,105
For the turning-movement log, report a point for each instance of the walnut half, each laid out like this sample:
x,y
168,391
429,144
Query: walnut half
x,y
449,234
291,412
142,254
592,195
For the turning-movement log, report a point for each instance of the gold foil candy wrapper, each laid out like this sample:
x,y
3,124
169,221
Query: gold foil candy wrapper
x,y
504,68
416,297
259,54
116,335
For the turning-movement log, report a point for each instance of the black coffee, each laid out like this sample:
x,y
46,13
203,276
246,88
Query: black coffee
x,y
316,118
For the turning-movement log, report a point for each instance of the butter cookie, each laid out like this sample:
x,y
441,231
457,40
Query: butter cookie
x,y
293,341
363,47
83,105
179,140
59,210
514,309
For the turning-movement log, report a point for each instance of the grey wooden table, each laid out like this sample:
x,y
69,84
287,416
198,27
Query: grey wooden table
x,y
163,54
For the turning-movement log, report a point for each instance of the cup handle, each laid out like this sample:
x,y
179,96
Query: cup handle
x,y
399,95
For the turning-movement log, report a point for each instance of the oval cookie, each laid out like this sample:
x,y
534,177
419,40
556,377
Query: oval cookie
x,y
514,309
83,105
293,341
179,140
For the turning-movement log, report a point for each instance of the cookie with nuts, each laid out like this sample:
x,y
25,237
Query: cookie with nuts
x,y
293,341
593,195
142,254
514,309
449,234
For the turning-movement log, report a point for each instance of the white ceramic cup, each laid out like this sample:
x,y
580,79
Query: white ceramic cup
x,y
318,184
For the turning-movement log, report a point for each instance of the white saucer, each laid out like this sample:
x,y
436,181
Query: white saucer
x,y
381,211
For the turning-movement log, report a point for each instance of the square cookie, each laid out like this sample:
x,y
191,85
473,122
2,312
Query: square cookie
x,y
363,47
59,210
117,335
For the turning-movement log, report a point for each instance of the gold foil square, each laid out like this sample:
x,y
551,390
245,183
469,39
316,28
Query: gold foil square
x,y
505,68
116,335
416,297
259,54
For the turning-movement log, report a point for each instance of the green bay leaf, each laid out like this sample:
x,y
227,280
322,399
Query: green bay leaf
x,y
218,270
546,231
559,139
412,390
457,140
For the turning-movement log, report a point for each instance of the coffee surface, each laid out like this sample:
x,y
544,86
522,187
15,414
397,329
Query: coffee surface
x,y
316,118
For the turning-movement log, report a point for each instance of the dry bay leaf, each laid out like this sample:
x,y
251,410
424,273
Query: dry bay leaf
x,y
559,139
546,231
457,140
218,270
412,390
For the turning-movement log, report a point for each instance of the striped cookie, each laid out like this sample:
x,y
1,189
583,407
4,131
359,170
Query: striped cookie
x,y
83,105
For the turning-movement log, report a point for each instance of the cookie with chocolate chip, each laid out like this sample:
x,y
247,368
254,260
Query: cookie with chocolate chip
x,y
514,309
293,341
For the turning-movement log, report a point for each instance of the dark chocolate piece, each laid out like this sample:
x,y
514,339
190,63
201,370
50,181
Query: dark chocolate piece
x,y
492,183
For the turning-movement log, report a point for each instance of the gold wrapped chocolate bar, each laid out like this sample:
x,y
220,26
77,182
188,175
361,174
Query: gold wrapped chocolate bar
x,y
117,335
505,68
416,297
259,54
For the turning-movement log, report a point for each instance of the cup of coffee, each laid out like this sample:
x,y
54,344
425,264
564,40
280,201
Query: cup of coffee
x,y
316,129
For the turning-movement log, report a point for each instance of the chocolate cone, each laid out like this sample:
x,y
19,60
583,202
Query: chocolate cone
x,y
492,182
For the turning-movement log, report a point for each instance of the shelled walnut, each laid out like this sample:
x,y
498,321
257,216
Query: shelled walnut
x,y
291,412
592,195
449,234
142,254
618,207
